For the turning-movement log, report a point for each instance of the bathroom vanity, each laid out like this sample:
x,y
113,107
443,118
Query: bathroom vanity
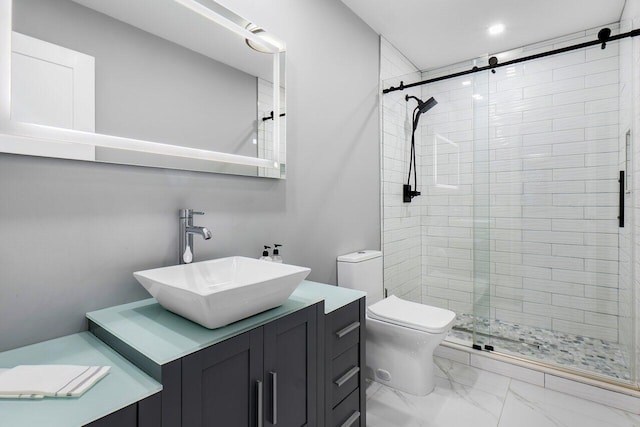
x,y
125,397
297,364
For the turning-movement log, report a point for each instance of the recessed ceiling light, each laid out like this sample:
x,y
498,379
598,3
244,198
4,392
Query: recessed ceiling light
x,y
496,29
466,83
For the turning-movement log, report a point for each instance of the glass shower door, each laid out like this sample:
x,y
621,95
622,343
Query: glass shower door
x,y
455,202
556,152
482,308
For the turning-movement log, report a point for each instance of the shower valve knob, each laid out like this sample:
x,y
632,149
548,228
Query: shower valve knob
x,y
408,194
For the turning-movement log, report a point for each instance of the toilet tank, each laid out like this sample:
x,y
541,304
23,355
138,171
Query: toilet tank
x,y
362,270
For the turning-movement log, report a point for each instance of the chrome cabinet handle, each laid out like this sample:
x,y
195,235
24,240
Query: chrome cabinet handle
x,y
346,377
274,397
346,330
352,419
259,392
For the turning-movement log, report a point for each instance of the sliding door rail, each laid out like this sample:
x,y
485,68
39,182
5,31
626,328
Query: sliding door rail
x,y
603,39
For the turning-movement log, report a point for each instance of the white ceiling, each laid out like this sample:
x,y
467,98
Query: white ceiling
x,y
434,33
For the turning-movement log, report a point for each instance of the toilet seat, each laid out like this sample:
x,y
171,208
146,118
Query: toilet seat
x,y
412,315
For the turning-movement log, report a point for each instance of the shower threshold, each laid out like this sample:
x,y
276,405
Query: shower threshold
x,y
592,355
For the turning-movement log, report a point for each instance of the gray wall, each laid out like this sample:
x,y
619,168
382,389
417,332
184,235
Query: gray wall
x,y
71,233
149,88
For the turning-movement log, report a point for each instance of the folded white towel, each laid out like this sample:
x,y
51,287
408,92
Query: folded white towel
x,y
37,381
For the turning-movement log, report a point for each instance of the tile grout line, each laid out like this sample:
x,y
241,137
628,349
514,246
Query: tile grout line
x,y
374,393
472,387
504,401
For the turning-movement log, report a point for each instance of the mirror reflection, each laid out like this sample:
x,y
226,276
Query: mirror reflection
x,y
150,70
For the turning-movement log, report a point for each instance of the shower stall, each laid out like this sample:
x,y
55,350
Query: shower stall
x,y
524,226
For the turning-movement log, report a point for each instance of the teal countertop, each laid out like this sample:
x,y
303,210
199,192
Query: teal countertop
x,y
334,297
122,386
164,337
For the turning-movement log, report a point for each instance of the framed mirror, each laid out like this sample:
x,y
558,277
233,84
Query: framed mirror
x,y
179,84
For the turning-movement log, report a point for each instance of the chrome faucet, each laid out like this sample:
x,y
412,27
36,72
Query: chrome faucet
x,y
187,230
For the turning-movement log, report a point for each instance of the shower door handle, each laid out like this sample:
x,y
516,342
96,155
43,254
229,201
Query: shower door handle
x,y
621,202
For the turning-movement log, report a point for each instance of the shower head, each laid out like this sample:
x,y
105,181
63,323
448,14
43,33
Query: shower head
x,y
427,105
423,107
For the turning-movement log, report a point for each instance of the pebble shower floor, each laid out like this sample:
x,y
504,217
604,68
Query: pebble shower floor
x,y
592,355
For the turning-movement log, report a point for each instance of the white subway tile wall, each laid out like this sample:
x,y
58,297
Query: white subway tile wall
x,y
401,222
630,238
553,152
554,156
625,283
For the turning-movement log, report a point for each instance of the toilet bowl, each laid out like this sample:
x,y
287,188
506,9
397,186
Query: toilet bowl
x,y
401,338
401,335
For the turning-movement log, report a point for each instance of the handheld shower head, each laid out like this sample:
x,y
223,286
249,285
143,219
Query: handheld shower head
x,y
427,105
423,107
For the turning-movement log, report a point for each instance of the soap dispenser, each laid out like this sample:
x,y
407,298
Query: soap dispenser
x,y
276,253
265,254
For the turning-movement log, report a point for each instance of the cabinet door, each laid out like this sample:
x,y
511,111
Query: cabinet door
x,y
290,370
220,384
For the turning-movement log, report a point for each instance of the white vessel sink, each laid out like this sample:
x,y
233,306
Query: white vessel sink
x,y
221,291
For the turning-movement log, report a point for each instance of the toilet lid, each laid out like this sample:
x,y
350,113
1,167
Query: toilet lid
x,y
412,315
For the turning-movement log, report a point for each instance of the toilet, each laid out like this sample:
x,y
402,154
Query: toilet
x,y
401,335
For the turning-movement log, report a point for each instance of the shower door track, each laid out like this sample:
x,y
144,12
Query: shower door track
x,y
484,334
493,61
548,366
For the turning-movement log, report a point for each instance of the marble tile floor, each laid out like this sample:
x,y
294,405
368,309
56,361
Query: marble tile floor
x,y
572,351
467,396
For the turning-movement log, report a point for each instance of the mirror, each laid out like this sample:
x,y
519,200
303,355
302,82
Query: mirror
x,y
181,84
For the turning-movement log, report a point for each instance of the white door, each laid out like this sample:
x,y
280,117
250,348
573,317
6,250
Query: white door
x,y
51,85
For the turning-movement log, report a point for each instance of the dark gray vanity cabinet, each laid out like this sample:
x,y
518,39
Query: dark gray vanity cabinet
x,y
263,377
291,369
125,417
145,413
344,354
344,386
298,365
221,384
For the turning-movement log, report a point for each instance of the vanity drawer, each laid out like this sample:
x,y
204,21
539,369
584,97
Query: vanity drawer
x,y
345,375
343,326
347,413
344,388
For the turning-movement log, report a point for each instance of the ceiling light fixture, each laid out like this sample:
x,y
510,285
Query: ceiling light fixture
x,y
496,29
